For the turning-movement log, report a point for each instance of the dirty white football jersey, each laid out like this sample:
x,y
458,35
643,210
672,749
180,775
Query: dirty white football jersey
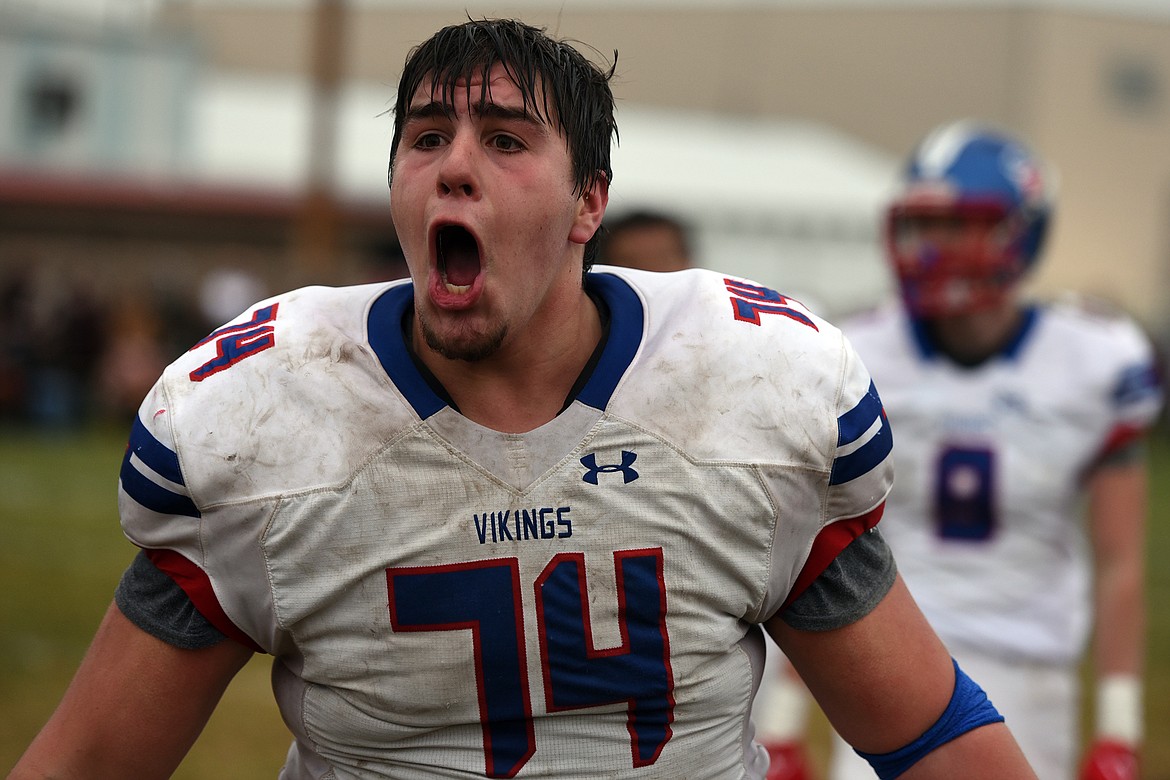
x,y
443,600
984,518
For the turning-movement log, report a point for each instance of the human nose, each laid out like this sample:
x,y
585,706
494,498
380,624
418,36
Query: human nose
x,y
457,174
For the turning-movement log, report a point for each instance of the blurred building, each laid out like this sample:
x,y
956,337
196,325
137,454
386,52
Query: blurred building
x,y
86,99
775,126
103,166
1088,81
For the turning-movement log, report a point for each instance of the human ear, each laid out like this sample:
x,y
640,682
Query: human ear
x,y
591,206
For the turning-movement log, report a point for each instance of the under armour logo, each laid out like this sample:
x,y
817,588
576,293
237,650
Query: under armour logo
x,y
628,473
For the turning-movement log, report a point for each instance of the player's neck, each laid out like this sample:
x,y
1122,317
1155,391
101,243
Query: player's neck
x,y
524,385
970,339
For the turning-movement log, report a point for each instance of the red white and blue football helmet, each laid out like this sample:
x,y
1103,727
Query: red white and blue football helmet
x,y
969,221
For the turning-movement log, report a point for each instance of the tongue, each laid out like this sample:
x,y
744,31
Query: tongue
x,y
460,260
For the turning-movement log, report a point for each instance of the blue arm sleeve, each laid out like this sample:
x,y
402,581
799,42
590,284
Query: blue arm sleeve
x,y
969,709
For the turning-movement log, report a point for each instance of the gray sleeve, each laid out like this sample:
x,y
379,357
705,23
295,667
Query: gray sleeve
x,y
155,603
848,589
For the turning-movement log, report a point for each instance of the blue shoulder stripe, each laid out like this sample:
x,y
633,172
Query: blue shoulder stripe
x,y
162,461
154,453
855,422
152,496
851,426
1136,384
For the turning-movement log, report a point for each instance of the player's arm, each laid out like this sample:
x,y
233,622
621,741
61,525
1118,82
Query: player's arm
x,y
134,708
1117,505
1117,512
886,680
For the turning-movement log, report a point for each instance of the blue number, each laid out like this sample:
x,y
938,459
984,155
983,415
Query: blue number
x,y
475,597
749,301
637,672
233,343
964,494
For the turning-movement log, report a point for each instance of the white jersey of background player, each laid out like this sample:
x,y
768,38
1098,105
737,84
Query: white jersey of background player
x,y
990,468
1005,412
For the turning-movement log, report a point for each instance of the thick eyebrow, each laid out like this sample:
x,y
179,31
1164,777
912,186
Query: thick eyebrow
x,y
436,108
495,111
430,110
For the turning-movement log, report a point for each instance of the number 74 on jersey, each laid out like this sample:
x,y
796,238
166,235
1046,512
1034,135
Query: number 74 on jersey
x,y
473,597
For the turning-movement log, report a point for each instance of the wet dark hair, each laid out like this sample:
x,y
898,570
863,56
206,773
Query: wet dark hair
x,y
557,83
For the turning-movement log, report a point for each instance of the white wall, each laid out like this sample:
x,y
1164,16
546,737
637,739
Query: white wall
x,y
125,98
793,205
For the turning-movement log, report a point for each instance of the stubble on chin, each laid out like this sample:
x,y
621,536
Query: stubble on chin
x,y
470,347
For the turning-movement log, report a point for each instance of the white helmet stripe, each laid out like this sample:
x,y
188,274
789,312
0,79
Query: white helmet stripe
x,y
941,147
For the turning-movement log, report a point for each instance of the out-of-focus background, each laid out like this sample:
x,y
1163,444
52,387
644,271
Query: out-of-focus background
x,y
165,163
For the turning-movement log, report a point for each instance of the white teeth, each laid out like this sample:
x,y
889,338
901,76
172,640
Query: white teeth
x,y
457,288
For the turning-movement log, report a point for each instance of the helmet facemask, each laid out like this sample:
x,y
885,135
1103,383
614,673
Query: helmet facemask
x,y
955,258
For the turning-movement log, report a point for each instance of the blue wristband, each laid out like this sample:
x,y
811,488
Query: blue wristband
x,y
969,709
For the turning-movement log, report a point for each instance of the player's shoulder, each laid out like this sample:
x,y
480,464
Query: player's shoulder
x,y
1101,346
713,343
1090,308
271,333
282,357
703,308
1101,342
1094,324
293,374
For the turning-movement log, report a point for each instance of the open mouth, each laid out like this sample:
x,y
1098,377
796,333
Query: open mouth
x,y
458,257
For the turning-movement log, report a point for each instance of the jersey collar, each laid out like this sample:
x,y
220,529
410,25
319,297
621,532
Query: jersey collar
x,y
1011,350
426,396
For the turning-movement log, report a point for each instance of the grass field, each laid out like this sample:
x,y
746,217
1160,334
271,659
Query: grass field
x,y
61,553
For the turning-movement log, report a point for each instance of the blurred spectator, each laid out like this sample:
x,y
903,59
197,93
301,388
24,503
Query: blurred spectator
x,y
68,341
70,354
16,342
181,320
225,293
134,357
385,261
650,240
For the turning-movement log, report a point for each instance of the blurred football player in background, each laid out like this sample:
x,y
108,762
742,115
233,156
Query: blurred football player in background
x,y
646,239
1009,414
